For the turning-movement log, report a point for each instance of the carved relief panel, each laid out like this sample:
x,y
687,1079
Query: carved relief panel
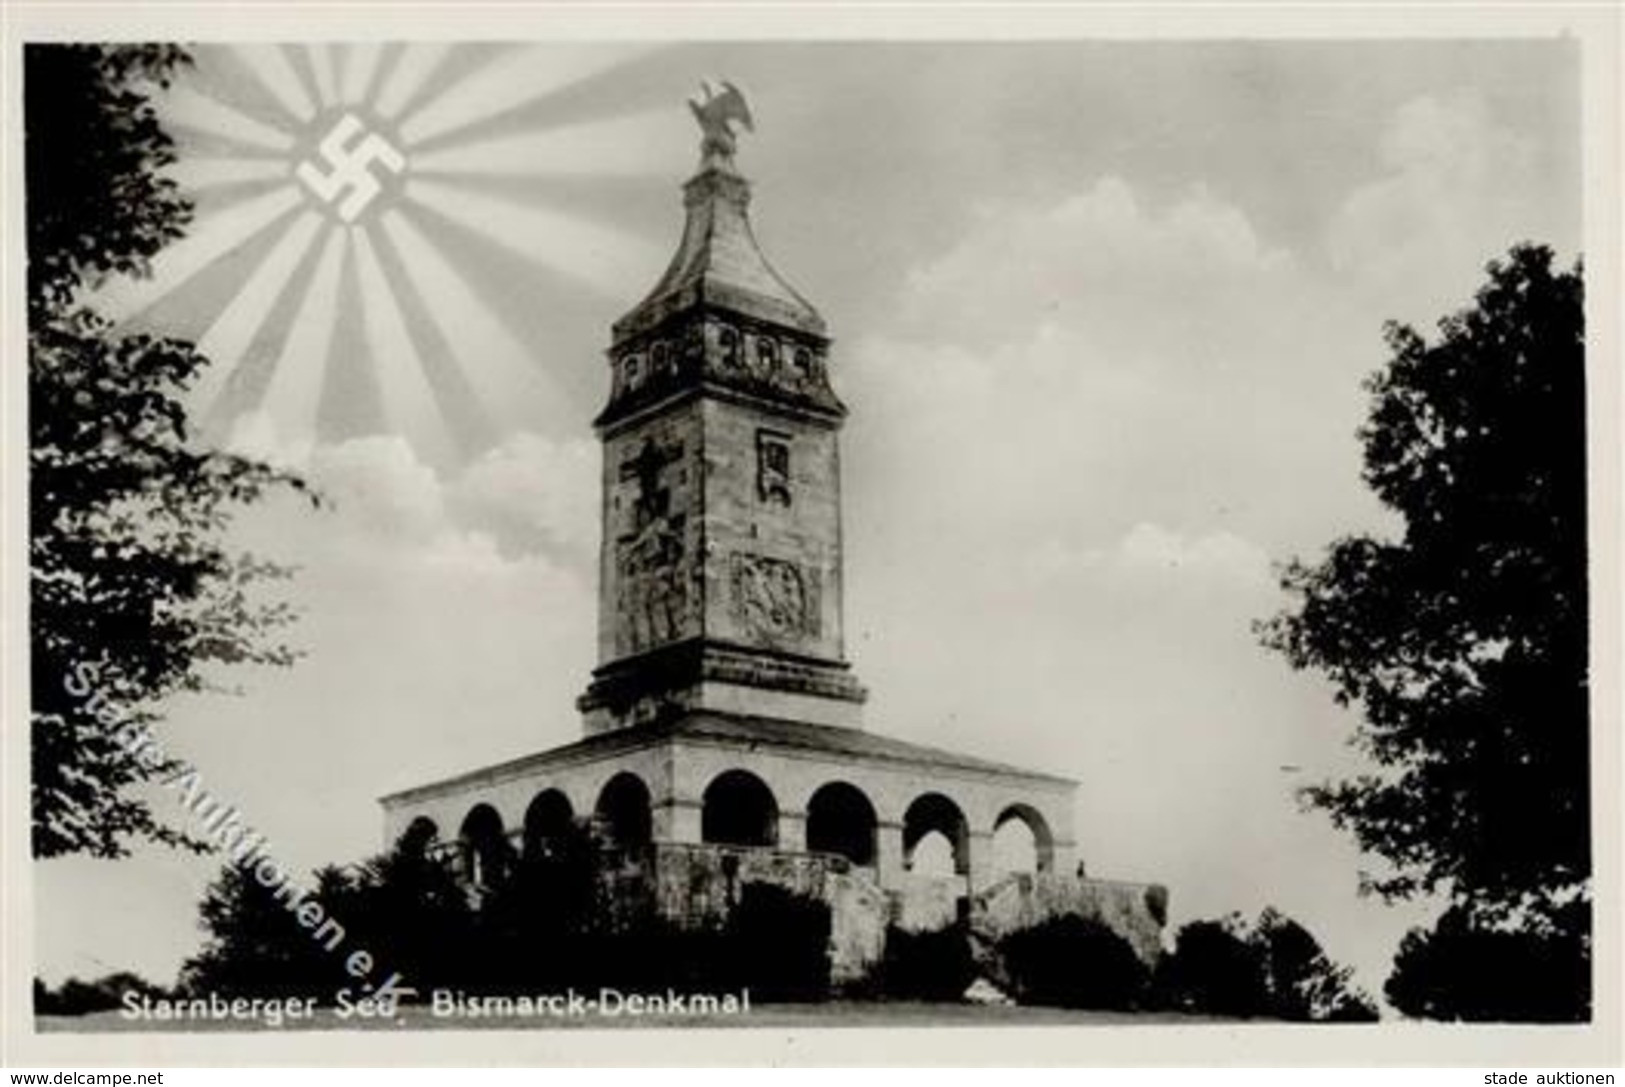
x,y
654,601
774,600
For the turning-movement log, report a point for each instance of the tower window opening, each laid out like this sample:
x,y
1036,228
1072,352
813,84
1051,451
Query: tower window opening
x,y
767,353
728,341
773,467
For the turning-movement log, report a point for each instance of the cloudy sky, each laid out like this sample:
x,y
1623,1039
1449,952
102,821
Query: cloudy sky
x,y
1102,316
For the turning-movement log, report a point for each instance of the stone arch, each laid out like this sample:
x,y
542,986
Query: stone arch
x,y
1043,839
548,822
739,809
841,820
483,847
624,813
933,813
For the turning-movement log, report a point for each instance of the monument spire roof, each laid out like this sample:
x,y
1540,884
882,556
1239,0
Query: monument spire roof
x,y
719,263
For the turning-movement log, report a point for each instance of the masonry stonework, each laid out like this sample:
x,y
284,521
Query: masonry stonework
x,y
722,734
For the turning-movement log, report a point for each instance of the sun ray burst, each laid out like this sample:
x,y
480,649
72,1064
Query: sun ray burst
x,y
195,173
607,260
454,385
210,238
187,108
411,71
269,64
417,299
294,394
519,78
640,145
360,65
351,403
227,339
322,66
511,380
410,403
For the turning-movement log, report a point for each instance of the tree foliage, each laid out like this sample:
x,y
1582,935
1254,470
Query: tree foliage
x,y
256,946
1273,968
936,964
566,918
1462,644
134,591
1470,969
77,997
93,151
1075,962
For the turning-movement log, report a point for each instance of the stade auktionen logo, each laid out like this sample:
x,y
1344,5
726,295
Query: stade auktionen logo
x,y
394,238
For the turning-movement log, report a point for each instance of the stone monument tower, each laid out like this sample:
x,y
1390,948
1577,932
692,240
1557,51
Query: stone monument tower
x,y
722,737
720,582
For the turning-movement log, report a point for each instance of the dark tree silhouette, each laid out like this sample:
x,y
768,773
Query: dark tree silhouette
x,y
1301,981
1465,969
938,964
1213,970
256,946
92,150
1074,962
1273,968
1463,643
551,922
77,997
133,591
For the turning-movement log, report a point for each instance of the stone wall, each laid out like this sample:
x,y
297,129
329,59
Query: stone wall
x,y
773,554
927,903
1135,911
697,886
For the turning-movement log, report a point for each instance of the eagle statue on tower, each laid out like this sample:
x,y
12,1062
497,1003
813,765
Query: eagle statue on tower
x,y
716,115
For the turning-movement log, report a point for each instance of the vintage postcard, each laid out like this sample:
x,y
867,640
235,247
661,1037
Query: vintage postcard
x,y
792,535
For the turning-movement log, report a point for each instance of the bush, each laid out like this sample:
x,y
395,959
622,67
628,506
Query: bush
x,y
553,922
1074,962
1273,968
936,965
1213,970
779,944
1465,969
775,943
76,997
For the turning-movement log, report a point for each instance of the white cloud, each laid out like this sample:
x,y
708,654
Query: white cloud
x,y
427,643
1072,458
1460,189
381,484
1071,371
1083,261
531,495
533,492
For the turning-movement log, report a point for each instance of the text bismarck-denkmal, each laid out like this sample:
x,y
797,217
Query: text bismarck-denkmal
x,y
604,1003
570,1004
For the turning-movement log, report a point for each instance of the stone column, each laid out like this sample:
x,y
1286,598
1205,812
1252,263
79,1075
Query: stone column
x,y
980,875
677,820
1065,859
793,831
889,855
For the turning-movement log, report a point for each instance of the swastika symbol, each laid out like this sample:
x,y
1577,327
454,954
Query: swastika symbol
x,y
350,168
